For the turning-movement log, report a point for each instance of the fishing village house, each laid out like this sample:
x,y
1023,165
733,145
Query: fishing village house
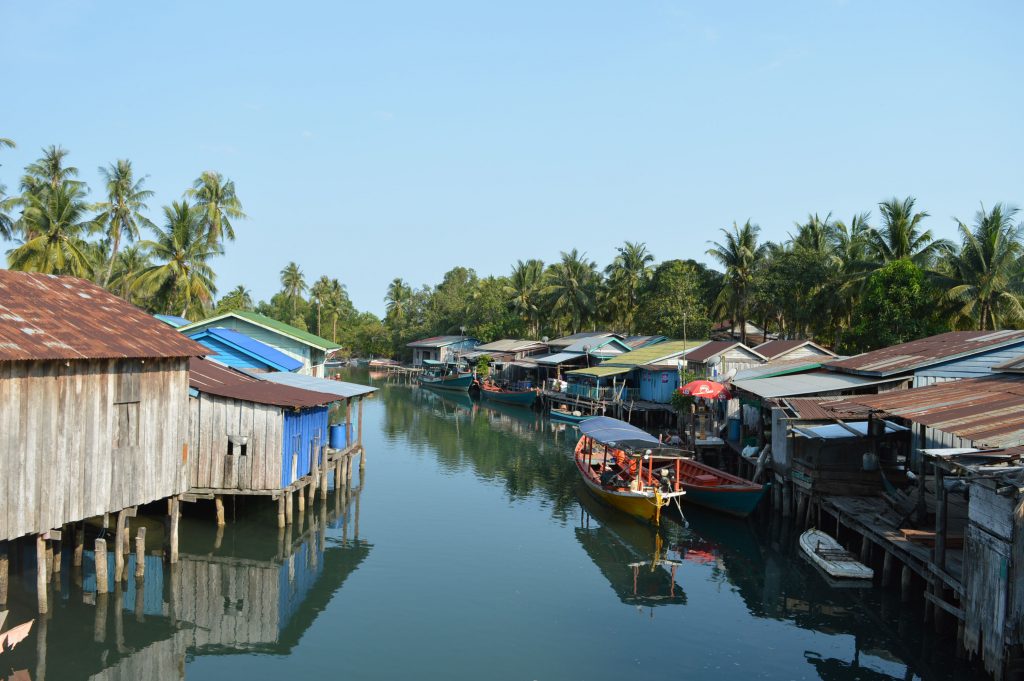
x,y
792,350
719,360
509,357
307,348
235,349
443,349
93,415
577,351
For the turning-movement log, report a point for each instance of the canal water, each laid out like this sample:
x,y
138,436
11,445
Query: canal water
x,y
470,551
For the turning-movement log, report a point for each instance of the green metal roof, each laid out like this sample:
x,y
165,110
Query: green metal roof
x,y
273,324
600,372
653,353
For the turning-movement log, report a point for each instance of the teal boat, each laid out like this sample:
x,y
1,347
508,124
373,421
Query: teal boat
x,y
445,377
519,398
718,490
568,416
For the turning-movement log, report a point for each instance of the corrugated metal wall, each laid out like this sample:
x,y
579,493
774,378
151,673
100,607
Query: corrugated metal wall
x,y
658,386
303,430
968,367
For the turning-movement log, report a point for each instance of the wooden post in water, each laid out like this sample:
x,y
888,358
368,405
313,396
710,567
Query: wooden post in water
x,y
359,438
102,581
54,550
140,554
218,502
865,550
348,422
79,544
41,639
119,534
801,509
887,569
42,581
905,584
281,511
288,507
173,505
301,493
4,571
99,626
787,499
939,556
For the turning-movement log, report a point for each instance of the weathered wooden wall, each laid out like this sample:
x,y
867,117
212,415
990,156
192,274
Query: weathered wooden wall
x,y
156,662
213,419
82,438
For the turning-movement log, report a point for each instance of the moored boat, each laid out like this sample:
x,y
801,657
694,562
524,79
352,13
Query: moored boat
x,y
568,416
718,490
441,376
619,467
522,398
830,556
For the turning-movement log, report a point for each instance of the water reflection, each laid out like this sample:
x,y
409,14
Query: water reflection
x,y
247,588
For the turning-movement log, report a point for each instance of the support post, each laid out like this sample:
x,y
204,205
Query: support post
x,y
887,569
99,627
173,504
140,554
939,556
119,538
42,569
218,502
314,477
288,507
4,571
281,512
801,509
348,422
79,544
905,584
102,580
359,438
54,551
865,550
787,499
301,493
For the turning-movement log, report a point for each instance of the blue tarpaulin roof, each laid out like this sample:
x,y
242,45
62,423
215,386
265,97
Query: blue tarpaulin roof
x,y
249,346
321,385
616,433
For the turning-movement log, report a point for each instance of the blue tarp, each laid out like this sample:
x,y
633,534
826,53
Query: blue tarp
x,y
616,433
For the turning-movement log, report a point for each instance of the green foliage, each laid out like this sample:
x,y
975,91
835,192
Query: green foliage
x,y
675,294
483,366
898,305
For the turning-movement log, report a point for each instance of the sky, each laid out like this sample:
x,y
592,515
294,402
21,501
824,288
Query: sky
x,y
377,140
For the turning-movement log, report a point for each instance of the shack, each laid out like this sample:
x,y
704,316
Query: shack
x,y
442,349
309,349
791,350
95,410
719,359
252,437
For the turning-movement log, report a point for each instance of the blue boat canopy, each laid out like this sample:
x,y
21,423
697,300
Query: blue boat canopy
x,y
618,434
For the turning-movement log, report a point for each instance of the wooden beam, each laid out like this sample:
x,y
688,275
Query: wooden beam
x,y
4,571
939,552
943,605
119,539
102,580
42,569
359,438
175,513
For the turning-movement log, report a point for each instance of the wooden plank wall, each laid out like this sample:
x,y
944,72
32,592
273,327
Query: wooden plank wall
x,y
58,430
986,567
213,419
233,603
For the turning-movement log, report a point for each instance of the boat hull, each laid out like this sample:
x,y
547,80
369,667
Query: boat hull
x,y
816,545
456,383
521,399
556,415
739,503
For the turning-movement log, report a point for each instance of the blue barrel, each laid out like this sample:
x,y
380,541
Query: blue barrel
x,y
734,429
337,436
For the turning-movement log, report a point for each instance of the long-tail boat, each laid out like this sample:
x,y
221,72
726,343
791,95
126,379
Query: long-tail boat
x,y
621,466
521,398
718,490
442,376
568,416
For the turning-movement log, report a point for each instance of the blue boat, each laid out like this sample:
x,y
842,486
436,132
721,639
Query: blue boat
x,y
568,416
521,398
445,377
718,490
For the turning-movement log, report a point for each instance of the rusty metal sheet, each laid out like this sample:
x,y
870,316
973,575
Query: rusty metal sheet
x,y
44,316
925,352
207,376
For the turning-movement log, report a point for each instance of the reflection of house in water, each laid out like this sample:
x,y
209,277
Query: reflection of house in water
x,y
629,555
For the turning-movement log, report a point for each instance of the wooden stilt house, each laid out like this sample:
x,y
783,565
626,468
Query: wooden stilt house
x,y
252,436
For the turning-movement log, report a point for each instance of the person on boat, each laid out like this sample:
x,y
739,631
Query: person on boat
x,y
674,440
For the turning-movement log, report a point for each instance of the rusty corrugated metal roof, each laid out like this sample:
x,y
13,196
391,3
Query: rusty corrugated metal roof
x,y
987,411
43,316
207,376
812,408
906,357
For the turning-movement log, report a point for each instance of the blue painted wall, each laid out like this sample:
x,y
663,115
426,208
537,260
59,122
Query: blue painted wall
x,y
968,367
658,386
300,433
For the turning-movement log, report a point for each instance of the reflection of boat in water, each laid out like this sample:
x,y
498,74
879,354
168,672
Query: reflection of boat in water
x,y
450,398
630,556
614,460
718,490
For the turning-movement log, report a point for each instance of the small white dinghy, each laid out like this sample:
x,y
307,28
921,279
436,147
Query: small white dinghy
x,y
826,553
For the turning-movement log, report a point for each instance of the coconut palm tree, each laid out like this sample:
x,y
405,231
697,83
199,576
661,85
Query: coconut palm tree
x,y
571,288
335,302
238,298
627,274
740,256
55,225
398,299
215,196
319,292
524,293
121,214
6,224
130,263
50,170
982,280
816,235
181,276
293,283
901,235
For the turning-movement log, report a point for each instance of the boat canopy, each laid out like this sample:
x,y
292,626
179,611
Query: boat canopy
x,y
618,434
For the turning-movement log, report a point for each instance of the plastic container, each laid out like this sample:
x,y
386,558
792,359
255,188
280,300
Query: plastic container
x,y
734,430
336,435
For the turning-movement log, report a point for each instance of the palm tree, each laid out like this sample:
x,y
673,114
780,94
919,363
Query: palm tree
x,y
6,224
334,304
293,283
572,288
901,235
398,299
182,277
740,255
238,298
49,170
524,292
121,214
319,292
816,235
129,264
55,225
981,279
219,202
627,274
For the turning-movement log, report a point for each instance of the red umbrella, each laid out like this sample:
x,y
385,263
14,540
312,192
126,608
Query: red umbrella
x,y
707,389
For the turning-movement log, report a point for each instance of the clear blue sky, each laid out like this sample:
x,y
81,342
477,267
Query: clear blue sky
x,y
384,139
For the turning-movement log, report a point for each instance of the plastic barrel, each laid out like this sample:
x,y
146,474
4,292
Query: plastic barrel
x,y
336,436
734,429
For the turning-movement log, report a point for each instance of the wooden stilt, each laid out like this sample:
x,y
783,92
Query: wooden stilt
x,y
79,544
102,580
288,507
905,576
140,598
313,478
787,499
887,569
348,423
302,501
118,547
42,581
174,505
865,550
140,554
99,627
56,551
218,502
41,640
359,438
4,570
801,509
218,538
281,512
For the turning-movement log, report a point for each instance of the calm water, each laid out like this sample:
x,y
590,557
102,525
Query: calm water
x,y
470,552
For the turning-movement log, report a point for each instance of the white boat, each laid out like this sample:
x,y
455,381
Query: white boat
x,y
830,556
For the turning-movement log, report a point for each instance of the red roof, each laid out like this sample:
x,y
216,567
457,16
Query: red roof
x,y
43,316
211,378
906,357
